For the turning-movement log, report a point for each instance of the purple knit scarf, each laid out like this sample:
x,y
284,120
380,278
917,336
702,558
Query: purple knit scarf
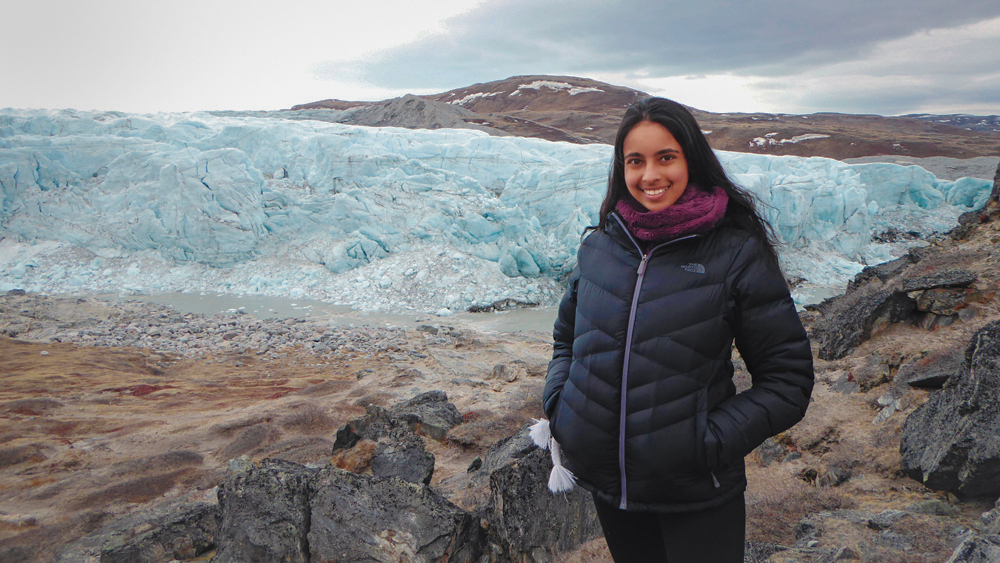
x,y
695,211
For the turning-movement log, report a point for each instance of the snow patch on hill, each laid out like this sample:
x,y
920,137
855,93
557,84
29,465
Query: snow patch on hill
x,y
769,139
539,84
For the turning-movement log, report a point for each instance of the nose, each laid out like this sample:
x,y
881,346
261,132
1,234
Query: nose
x,y
651,174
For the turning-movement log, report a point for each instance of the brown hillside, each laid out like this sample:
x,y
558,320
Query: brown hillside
x,y
581,110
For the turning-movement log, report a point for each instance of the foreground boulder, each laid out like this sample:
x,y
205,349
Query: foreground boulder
x,y
949,443
357,518
264,513
530,524
284,512
526,522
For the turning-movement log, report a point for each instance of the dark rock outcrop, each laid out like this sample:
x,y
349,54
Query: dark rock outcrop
x,y
991,521
430,414
949,442
398,451
891,293
883,272
526,521
943,302
358,518
977,549
177,531
995,194
843,332
265,513
932,370
405,458
934,280
281,511
509,450
186,534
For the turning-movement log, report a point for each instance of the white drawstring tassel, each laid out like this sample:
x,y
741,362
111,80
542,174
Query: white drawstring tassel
x,y
561,480
539,432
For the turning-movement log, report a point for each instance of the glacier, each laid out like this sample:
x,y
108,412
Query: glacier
x,y
384,219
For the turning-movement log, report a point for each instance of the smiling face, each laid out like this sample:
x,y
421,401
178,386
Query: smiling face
x,y
656,172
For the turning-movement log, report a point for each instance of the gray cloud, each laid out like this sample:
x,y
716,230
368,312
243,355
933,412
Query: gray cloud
x,y
947,71
961,96
651,38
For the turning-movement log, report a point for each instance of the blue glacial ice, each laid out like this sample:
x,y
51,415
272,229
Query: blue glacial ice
x,y
382,219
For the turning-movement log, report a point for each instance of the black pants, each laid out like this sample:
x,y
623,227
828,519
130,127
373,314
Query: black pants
x,y
715,535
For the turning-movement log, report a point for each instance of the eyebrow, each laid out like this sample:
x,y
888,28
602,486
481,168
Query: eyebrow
x,y
658,153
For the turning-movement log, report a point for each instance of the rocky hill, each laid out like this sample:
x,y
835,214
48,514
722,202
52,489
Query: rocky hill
x,y
551,107
580,110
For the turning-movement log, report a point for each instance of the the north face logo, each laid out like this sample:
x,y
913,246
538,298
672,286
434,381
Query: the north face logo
x,y
693,268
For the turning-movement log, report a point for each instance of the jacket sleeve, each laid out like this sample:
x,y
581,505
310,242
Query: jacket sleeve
x,y
562,347
774,345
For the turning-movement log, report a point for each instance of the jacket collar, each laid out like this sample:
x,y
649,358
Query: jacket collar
x,y
615,228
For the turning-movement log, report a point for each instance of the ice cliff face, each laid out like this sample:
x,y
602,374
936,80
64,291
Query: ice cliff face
x,y
380,218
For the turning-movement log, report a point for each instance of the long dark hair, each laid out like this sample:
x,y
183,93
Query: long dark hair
x,y
704,168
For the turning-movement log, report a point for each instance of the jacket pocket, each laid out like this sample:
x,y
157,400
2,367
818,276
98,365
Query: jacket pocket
x,y
701,427
712,446
709,437
709,441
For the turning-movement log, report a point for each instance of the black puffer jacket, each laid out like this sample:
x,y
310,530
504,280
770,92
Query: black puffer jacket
x,y
639,392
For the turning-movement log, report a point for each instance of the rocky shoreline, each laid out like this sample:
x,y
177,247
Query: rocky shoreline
x,y
130,322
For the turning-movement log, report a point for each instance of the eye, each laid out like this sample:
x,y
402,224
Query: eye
x,y
633,161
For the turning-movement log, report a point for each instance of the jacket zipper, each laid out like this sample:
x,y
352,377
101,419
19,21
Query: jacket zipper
x,y
628,350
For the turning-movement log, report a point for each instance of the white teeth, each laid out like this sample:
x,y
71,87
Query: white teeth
x,y
655,192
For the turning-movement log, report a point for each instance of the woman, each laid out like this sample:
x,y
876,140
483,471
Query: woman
x,y
639,393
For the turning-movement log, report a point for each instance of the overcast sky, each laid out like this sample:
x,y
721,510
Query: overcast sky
x,y
888,57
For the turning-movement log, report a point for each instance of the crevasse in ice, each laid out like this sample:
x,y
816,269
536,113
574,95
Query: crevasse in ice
x,y
384,219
